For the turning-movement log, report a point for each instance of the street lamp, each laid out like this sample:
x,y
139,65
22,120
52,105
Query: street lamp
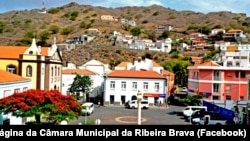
x,y
139,98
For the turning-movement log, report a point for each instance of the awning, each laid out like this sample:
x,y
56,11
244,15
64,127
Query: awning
x,y
154,95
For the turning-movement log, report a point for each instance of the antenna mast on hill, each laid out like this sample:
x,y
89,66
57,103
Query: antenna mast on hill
x,y
43,7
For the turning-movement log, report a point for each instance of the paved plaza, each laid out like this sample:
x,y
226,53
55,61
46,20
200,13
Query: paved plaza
x,y
123,116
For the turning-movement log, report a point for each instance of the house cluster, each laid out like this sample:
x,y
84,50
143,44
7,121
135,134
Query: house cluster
x,y
131,42
114,19
198,40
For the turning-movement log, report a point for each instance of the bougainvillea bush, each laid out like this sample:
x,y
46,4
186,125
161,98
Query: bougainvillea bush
x,y
52,104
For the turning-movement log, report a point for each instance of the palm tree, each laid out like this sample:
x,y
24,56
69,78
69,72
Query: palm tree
x,y
83,84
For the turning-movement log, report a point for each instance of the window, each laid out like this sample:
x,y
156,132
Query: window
x,y
229,64
134,85
216,87
229,75
11,69
228,88
52,74
236,74
216,98
25,89
55,78
237,64
157,87
6,93
123,86
242,74
216,75
59,72
16,90
242,98
228,97
29,71
112,85
145,86
193,75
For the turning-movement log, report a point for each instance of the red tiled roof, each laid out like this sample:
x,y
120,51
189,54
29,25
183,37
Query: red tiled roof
x,y
10,77
122,64
156,64
13,52
208,64
167,73
135,74
78,71
233,30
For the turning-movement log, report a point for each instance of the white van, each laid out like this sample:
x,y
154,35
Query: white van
x,y
88,108
188,111
133,104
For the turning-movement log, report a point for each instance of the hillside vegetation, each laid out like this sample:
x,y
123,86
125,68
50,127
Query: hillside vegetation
x,y
18,27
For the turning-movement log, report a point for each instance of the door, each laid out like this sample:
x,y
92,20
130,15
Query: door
x,y
123,98
111,99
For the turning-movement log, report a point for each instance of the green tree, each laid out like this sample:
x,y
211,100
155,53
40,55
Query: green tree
x,y
179,68
136,31
204,30
66,30
165,34
44,35
194,100
82,84
2,26
27,39
54,29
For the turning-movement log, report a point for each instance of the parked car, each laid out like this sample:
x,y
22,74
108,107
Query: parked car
x,y
189,110
133,104
210,120
88,108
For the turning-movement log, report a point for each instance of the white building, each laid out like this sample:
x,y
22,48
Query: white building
x,y
122,86
141,63
95,69
68,76
235,55
10,83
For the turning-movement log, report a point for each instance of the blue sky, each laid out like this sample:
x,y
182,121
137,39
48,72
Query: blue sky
x,y
203,6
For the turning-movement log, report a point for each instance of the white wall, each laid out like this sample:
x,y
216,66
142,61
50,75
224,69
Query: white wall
x,y
10,87
129,92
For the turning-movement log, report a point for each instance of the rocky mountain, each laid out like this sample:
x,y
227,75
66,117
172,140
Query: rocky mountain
x,y
17,27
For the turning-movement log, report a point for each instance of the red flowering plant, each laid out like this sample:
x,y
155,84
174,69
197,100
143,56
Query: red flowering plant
x,y
52,104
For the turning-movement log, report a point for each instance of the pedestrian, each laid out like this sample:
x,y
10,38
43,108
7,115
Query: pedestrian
x,y
99,103
160,104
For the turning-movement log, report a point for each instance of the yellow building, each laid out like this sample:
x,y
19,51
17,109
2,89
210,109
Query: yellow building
x,y
42,65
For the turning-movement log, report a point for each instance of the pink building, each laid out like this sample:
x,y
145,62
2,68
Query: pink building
x,y
218,82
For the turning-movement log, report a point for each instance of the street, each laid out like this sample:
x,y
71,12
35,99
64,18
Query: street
x,y
123,116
